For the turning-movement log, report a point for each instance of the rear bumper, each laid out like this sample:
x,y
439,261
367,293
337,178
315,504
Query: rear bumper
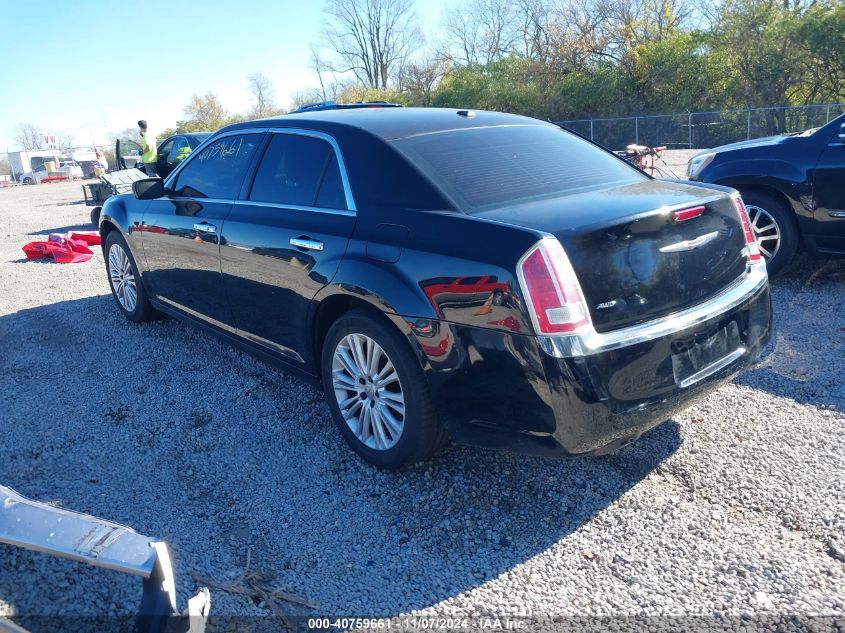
x,y
592,394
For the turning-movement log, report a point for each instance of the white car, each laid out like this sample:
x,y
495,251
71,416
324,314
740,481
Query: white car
x,y
68,170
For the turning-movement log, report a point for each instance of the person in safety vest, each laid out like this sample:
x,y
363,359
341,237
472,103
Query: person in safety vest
x,y
181,154
148,148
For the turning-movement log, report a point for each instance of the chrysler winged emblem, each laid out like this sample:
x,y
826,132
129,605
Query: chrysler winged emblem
x,y
688,245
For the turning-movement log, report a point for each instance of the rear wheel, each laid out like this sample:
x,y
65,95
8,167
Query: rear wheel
x,y
126,286
95,216
377,392
774,229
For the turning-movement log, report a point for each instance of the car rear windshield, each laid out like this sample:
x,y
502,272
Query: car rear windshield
x,y
487,167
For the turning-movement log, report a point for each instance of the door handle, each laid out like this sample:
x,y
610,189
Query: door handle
x,y
205,227
308,245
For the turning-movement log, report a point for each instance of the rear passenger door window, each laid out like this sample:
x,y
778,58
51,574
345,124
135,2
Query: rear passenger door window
x,y
299,170
218,170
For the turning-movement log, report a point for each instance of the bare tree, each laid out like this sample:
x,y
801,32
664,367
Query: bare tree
x,y
418,81
320,66
480,32
128,133
372,38
65,140
29,136
304,97
264,94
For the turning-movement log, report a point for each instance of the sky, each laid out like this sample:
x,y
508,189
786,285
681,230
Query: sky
x,y
92,67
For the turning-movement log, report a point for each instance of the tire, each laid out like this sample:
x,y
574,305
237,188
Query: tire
x,y
404,439
125,281
766,210
28,181
95,216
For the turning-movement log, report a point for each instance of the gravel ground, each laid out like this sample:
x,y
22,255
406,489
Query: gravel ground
x,y
734,507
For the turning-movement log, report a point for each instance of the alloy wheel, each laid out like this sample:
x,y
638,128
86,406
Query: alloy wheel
x,y
122,278
766,230
368,391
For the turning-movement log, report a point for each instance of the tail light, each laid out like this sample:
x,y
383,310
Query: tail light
x,y
751,247
551,288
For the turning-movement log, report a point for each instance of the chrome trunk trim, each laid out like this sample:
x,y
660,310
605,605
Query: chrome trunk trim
x,y
592,342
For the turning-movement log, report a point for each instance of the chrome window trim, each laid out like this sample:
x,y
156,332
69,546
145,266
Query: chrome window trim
x,y
295,207
592,342
341,164
351,209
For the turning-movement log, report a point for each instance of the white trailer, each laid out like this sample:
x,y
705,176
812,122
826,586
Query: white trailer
x,y
29,160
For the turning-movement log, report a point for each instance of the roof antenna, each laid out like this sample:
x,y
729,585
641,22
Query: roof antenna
x,y
467,113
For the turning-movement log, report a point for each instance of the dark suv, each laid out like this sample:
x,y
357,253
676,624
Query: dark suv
x,y
450,273
793,187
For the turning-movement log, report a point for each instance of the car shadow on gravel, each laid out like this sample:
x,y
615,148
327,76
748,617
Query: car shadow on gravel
x,y
802,359
66,229
266,471
808,391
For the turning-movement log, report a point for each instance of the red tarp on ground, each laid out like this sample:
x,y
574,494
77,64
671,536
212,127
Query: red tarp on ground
x,y
64,250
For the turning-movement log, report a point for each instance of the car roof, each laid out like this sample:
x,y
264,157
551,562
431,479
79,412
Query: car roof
x,y
393,123
332,105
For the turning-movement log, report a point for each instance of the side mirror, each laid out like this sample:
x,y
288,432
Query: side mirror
x,y
148,188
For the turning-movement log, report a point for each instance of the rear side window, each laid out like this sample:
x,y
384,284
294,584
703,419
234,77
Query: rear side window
x,y
218,170
299,170
488,167
331,194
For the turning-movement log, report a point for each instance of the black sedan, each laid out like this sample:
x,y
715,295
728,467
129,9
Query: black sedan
x,y
792,186
478,276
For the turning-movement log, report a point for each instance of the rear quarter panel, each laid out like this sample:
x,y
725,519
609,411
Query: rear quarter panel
x,y
431,250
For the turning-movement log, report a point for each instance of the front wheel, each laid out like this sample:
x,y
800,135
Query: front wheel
x,y
774,229
377,393
126,286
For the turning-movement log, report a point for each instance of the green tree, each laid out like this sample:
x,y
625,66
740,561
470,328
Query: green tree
x,y
204,113
822,32
674,73
757,44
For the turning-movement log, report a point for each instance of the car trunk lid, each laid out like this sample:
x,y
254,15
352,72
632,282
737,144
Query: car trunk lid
x,y
643,250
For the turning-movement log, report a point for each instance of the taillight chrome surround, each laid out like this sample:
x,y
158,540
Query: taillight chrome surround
x,y
752,249
563,310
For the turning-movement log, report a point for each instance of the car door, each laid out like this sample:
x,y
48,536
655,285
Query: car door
x,y
127,154
829,195
285,239
162,153
181,230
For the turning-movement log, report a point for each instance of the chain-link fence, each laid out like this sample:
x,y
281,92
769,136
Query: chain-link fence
x,y
703,129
